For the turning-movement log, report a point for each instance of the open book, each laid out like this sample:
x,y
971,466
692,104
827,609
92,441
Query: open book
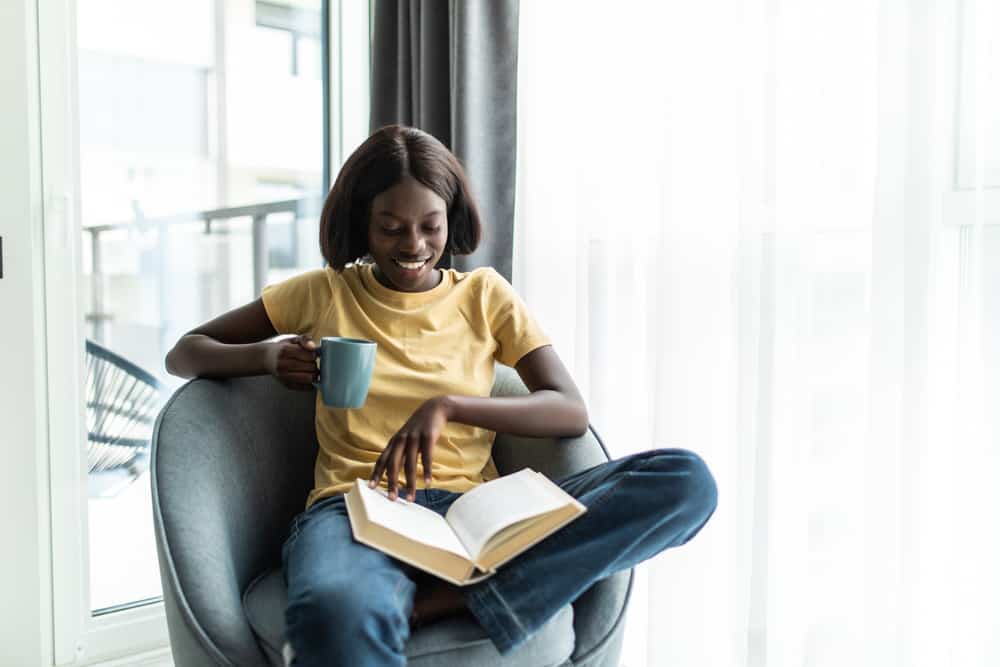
x,y
482,530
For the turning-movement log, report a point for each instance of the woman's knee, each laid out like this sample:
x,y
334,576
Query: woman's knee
x,y
690,477
341,616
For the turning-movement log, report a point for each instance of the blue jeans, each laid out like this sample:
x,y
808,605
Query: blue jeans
x,y
350,604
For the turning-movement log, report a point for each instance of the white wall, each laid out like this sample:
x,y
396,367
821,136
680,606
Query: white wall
x,y
25,626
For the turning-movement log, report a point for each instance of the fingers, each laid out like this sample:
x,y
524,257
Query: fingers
x,y
402,450
388,464
299,379
304,378
296,349
306,342
426,445
298,386
382,465
379,467
415,440
296,363
410,466
395,458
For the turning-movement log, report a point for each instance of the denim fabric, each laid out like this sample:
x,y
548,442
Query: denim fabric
x,y
350,604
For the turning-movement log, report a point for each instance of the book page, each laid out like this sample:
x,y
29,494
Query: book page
x,y
410,520
491,507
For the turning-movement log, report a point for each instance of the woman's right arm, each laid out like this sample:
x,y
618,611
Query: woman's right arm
x,y
236,344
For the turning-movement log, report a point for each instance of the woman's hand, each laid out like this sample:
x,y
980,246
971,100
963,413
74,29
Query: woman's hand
x,y
293,362
417,435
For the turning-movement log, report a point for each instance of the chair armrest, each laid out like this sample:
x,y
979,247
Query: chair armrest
x,y
554,457
231,465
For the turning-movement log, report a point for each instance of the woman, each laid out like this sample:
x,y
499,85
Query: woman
x,y
399,204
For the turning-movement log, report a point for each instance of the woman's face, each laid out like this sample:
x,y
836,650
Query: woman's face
x,y
407,234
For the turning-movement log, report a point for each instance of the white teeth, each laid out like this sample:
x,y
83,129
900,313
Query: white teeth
x,y
410,265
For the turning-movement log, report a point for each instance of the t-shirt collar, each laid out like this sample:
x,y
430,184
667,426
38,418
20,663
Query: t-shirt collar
x,y
400,299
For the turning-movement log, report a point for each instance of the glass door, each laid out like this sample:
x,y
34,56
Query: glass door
x,y
201,149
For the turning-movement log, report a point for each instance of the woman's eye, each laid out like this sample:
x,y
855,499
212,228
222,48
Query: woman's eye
x,y
433,230
390,230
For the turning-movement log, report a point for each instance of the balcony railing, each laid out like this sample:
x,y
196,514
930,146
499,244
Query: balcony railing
x,y
301,208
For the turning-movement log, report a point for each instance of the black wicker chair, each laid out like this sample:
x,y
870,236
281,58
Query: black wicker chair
x,y
122,403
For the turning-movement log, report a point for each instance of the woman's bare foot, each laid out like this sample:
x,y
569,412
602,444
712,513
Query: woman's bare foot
x,y
435,599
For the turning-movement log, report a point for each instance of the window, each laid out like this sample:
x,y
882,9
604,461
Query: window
x,y
175,134
193,141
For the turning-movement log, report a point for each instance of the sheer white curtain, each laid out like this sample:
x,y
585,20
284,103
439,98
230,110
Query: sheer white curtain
x,y
767,231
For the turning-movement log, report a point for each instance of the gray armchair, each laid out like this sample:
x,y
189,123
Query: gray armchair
x,y
232,463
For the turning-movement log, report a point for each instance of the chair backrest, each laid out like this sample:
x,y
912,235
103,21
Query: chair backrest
x,y
232,463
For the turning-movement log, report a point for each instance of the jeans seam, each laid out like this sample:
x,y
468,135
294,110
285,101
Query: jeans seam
x,y
483,600
397,594
293,534
510,611
643,464
301,517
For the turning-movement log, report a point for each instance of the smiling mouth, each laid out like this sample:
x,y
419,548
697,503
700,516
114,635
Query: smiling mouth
x,y
412,266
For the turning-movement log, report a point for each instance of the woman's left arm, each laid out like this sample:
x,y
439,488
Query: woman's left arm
x,y
554,408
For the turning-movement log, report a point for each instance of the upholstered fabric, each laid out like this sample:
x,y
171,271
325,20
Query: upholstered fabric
x,y
455,641
232,464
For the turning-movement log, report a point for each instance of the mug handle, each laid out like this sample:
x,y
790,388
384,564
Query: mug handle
x,y
315,383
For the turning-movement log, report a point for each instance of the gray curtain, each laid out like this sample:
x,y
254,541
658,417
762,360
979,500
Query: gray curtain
x,y
449,67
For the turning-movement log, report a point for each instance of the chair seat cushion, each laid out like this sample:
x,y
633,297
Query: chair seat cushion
x,y
454,641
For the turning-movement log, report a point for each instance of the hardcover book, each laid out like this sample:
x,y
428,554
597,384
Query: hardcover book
x,y
483,529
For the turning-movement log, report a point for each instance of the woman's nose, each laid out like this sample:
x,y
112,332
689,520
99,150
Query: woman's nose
x,y
411,242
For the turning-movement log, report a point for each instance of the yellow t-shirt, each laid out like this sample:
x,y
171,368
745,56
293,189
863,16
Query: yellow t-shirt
x,y
442,341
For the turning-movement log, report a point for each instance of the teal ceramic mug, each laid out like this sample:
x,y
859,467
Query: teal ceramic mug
x,y
345,371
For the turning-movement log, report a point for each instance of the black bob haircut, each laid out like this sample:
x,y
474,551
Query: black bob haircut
x,y
389,154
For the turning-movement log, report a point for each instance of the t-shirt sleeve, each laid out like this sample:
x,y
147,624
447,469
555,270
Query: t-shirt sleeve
x,y
294,306
516,332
